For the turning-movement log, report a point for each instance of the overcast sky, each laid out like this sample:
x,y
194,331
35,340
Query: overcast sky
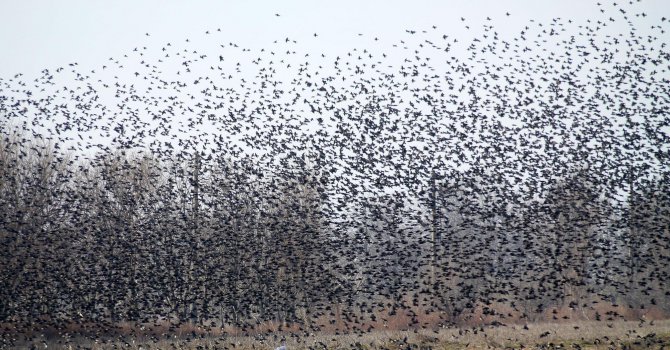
x,y
35,35
46,34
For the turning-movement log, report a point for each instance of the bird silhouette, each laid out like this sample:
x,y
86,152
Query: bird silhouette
x,y
416,183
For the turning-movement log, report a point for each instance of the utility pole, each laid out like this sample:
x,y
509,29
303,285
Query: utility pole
x,y
196,206
196,191
435,234
632,244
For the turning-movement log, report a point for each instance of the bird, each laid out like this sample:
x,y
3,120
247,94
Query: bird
x,y
410,183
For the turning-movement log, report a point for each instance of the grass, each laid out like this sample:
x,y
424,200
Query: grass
x,y
577,335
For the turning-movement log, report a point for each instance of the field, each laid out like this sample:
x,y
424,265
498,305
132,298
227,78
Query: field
x,y
576,335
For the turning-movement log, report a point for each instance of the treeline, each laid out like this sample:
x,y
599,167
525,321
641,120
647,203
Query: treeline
x,y
222,242
129,238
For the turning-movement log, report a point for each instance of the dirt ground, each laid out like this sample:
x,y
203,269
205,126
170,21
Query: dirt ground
x,y
577,335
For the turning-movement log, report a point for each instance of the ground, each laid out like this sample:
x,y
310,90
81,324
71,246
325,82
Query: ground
x,y
576,335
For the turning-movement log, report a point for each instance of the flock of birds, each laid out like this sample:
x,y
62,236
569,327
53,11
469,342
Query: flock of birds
x,y
431,184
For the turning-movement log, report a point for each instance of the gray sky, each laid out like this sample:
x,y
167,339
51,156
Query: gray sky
x,y
130,38
46,34
35,35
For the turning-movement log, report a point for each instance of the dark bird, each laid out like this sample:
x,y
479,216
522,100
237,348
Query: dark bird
x,y
401,185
